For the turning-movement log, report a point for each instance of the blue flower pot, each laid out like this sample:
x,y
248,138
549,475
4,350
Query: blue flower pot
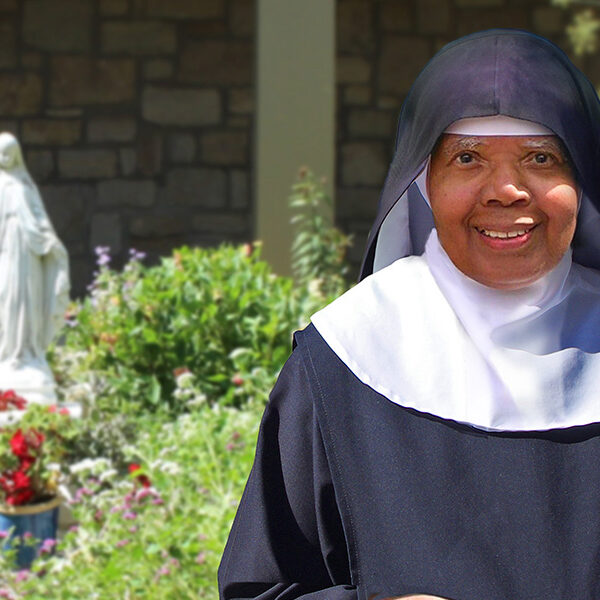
x,y
38,521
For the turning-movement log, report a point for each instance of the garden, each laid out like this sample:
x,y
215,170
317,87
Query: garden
x,y
172,364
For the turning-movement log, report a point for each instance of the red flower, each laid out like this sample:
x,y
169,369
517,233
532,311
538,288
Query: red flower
x,y
52,408
19,497
9,399
17,487
18,443
143,479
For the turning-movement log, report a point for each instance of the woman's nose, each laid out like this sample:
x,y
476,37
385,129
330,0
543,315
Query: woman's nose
x,y
505,186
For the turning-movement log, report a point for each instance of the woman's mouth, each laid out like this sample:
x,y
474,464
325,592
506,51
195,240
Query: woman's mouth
x,y
514,233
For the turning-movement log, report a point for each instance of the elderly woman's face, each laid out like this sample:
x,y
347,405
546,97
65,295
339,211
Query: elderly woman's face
x,y
505,208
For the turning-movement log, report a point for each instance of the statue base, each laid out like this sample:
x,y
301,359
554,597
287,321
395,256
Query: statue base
x,y
32,381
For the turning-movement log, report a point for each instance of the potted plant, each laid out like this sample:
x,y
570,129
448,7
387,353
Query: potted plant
x,y
33,442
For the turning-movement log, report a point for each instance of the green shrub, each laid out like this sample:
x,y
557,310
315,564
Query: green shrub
x,y
140,327
221,314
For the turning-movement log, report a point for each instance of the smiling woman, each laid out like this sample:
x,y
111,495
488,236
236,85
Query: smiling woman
x,y
436,430
504,207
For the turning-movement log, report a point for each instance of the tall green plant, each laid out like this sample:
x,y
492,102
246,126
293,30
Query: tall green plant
x,y
319,248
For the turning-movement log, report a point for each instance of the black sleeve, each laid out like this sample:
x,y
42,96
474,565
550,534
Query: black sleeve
x,y
287,540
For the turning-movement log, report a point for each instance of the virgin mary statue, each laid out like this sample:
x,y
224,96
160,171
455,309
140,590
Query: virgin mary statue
x,y
34,280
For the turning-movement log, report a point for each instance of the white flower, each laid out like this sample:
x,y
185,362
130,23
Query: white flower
x,y
185,380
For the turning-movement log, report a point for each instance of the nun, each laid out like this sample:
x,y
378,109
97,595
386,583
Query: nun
x,y
436,430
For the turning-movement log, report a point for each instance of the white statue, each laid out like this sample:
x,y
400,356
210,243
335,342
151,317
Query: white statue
x,y
34,280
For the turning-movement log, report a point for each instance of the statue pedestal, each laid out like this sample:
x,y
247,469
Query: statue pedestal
x,y
33,381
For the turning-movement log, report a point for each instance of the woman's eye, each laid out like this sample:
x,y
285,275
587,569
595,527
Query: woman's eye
x,y
541,159
465,158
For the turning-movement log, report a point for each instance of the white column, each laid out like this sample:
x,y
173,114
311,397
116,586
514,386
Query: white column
x,y
295,117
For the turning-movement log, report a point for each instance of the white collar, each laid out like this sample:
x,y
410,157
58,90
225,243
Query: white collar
x,y
532,366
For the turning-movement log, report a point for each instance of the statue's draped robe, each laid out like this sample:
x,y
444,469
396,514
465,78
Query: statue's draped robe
x,y
34,279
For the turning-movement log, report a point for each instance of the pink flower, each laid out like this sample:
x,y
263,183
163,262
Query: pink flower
x,y
64,411
201,558
237,380
130,515
122,543
22,575
47,546
158,501
27,535
133,529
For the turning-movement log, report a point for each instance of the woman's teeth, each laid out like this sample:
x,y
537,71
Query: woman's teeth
x,y
503,234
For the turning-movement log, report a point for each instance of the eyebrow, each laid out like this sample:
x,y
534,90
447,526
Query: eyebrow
x,y
552,143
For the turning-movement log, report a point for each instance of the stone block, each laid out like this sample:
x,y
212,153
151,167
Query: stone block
x,y
433,16
357,95
242,17
67,206
389,102
241,100
107,230
51,132
186,9
224,148
111,129
548,20
80,271
181,148
159,225
205,28
239,185
20,94
125,192
478,3
401,60
87,164
58,25
355,203
63,113
159,68
181,106
238,122
396,15
149,152
10,126
355,30
352,69
363,163
371,123
138,38
40,163
83,81
202,188
127,161
472,20
114,8
216,62
220,223
8,41
31,60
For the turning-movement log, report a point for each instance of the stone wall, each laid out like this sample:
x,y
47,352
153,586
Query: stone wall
x,y
135,117
382,45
